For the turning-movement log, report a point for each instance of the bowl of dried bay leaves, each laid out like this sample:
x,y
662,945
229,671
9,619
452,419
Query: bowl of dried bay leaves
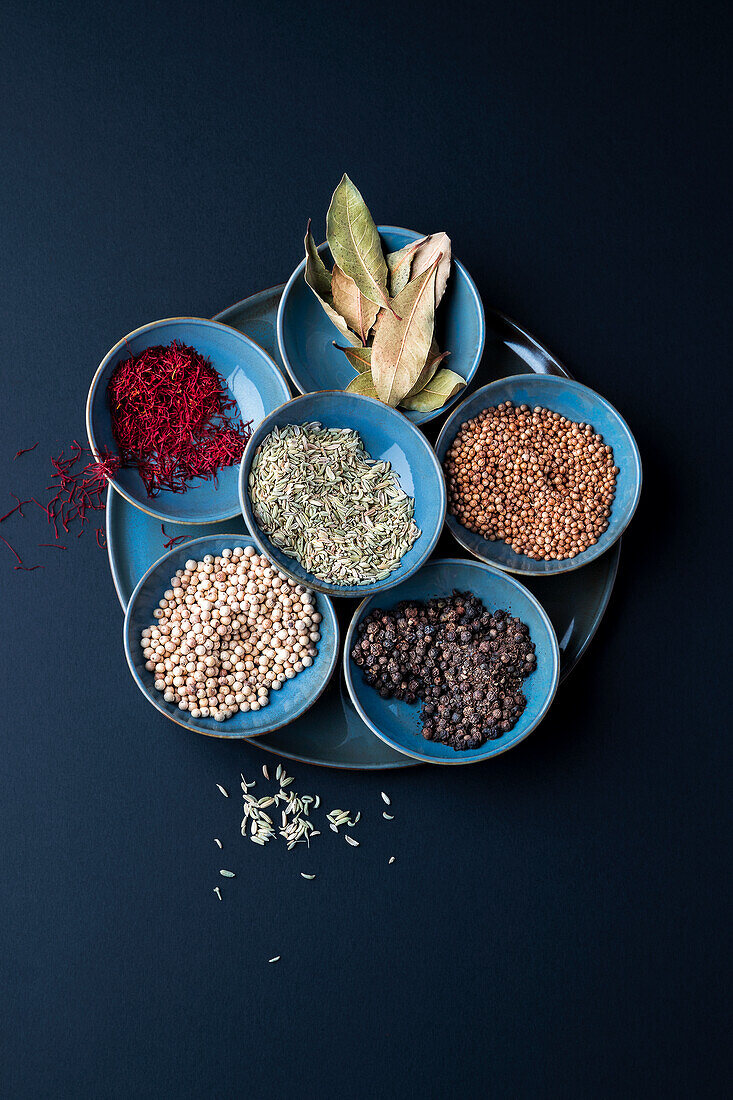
x,y
381,311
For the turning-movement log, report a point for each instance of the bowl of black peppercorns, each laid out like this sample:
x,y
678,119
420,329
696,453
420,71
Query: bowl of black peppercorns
x,y
458,663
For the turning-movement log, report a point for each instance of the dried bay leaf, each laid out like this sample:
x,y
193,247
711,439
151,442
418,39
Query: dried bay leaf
x,y
401,344
354,242
359,358
358,312
433,361
318,279
400,264
444,385
437,244
362,384
317,274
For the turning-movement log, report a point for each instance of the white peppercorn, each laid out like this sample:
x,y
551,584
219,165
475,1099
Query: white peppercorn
x,y
230,629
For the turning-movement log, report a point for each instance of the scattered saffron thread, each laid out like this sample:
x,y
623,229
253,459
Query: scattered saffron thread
x,y
12,551
12,511
29,568
78,484
24,451
171,540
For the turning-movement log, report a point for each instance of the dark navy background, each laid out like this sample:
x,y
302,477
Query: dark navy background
x,y
553,924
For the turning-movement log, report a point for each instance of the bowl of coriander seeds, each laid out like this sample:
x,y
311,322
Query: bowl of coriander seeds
x,y
543,475
222,642
343,493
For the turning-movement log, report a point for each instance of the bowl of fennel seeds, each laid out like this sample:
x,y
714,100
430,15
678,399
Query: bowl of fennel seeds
x,y
343,493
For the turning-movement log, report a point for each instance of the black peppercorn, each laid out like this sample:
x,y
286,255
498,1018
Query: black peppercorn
x,y
465,663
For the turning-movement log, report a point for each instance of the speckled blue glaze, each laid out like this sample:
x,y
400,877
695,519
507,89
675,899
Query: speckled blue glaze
x,y
578,403
294,698
399,723
305,334
386,435
253,380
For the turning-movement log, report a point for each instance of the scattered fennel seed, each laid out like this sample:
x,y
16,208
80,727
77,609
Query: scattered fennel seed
x,y
317,802
217,891
267,776
385,799
225,793
278,772
350,840
227,874
391,859
217,842
388,817
303,875
276,959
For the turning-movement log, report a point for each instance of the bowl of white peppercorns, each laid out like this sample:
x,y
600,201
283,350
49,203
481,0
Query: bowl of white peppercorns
x,y
222,642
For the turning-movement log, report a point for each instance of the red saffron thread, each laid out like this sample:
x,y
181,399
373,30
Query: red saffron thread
x,y
29,568
171,418
79,482
171,540
25,451
10,548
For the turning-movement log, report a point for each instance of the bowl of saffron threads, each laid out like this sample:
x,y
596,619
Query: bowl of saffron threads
x,y
175,402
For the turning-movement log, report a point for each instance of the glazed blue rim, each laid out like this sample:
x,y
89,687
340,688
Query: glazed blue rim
x,y
204,322
347,592
191,725
462,757
450,429
411,233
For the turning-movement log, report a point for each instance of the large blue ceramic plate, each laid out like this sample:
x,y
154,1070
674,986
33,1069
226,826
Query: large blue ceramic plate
x,y
306,336
398,723
578,403
287,705
339,738
253,381
388,437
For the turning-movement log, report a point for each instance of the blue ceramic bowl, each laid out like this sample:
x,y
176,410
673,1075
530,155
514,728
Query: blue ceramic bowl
x,y
305,335
399,723
294,698
253,380
386,436
578,403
